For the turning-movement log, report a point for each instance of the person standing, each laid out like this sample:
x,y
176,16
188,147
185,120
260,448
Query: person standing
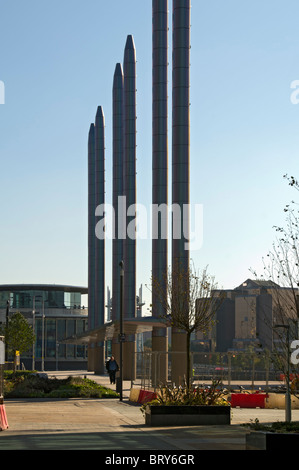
x,y
112,367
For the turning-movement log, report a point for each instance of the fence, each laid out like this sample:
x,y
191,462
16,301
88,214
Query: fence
x,y
2,362
239,368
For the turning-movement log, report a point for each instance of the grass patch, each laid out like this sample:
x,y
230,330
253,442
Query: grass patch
x,y
27,384
278,427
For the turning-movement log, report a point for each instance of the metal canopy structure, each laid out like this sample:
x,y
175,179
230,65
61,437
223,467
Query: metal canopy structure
x,y
111,329
45,287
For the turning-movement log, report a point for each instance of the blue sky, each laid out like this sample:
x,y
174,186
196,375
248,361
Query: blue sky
x,y
57,60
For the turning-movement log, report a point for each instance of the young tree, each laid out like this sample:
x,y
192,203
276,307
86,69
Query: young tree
x,y
281,266
19,335
189,301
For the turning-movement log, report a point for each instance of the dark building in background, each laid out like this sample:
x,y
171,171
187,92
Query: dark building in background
x,y
225,326
254,314
246,317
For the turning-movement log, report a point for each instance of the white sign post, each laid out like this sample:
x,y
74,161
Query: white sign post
x,y
2,350
3,417
2,362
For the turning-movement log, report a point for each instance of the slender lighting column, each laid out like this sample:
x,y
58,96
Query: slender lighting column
x,y
117,244
180,157
159,176
43,334
6,322
91,227
288,404
117,193
33,329
99,241
129,181
121,330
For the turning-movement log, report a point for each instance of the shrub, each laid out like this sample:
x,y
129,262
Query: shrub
x,y
279,426
173,396
32,385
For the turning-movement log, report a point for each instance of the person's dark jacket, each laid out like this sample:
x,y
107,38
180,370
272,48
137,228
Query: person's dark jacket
x,y
112,365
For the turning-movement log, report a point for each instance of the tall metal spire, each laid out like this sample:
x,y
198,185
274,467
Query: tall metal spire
x,y
99,200
159,176
129,181
130,176
91,226
181,124
118,154
180,164
160,141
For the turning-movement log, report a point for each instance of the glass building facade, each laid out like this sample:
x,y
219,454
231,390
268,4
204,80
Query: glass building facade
x,y
52,299
55,313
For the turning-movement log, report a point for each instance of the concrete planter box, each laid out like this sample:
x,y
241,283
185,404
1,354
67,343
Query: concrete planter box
x,y
193,415
259,440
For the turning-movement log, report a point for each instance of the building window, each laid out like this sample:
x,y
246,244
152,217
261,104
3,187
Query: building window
x,y
50,338
61,334
70,330
80,349
38,333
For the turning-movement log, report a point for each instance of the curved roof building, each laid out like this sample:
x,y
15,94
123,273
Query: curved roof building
x,y
55,312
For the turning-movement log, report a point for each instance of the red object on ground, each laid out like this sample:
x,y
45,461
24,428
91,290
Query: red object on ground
x,y
3,418
248,400
282,377
145,396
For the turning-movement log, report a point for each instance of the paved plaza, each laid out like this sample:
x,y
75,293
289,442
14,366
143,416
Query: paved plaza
x,y
111,424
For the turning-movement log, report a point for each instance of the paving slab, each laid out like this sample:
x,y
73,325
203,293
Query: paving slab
x,y
112,425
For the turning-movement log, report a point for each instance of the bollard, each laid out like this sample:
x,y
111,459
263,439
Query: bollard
x,y
118,385
3,418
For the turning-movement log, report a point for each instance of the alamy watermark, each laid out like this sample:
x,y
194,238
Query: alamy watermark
x,y
295,354
295,94
137,222
2,92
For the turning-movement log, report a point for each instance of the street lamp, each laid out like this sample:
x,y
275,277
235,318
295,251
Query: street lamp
x,y
7,317
43,336
288,393
43,333
33,329
121,335
57,349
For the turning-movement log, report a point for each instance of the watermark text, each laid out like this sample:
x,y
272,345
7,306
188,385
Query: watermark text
x,y
295,354
137,222
2,92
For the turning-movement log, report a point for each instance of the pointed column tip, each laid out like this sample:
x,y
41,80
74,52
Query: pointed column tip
x,y
118,77
91,128
130,42
100,116
100,111
118,69
91,135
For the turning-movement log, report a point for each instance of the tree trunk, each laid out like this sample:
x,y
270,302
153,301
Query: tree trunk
x,y
15,362
188,375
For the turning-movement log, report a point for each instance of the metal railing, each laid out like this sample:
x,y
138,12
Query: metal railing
x,y
255,370
2,362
